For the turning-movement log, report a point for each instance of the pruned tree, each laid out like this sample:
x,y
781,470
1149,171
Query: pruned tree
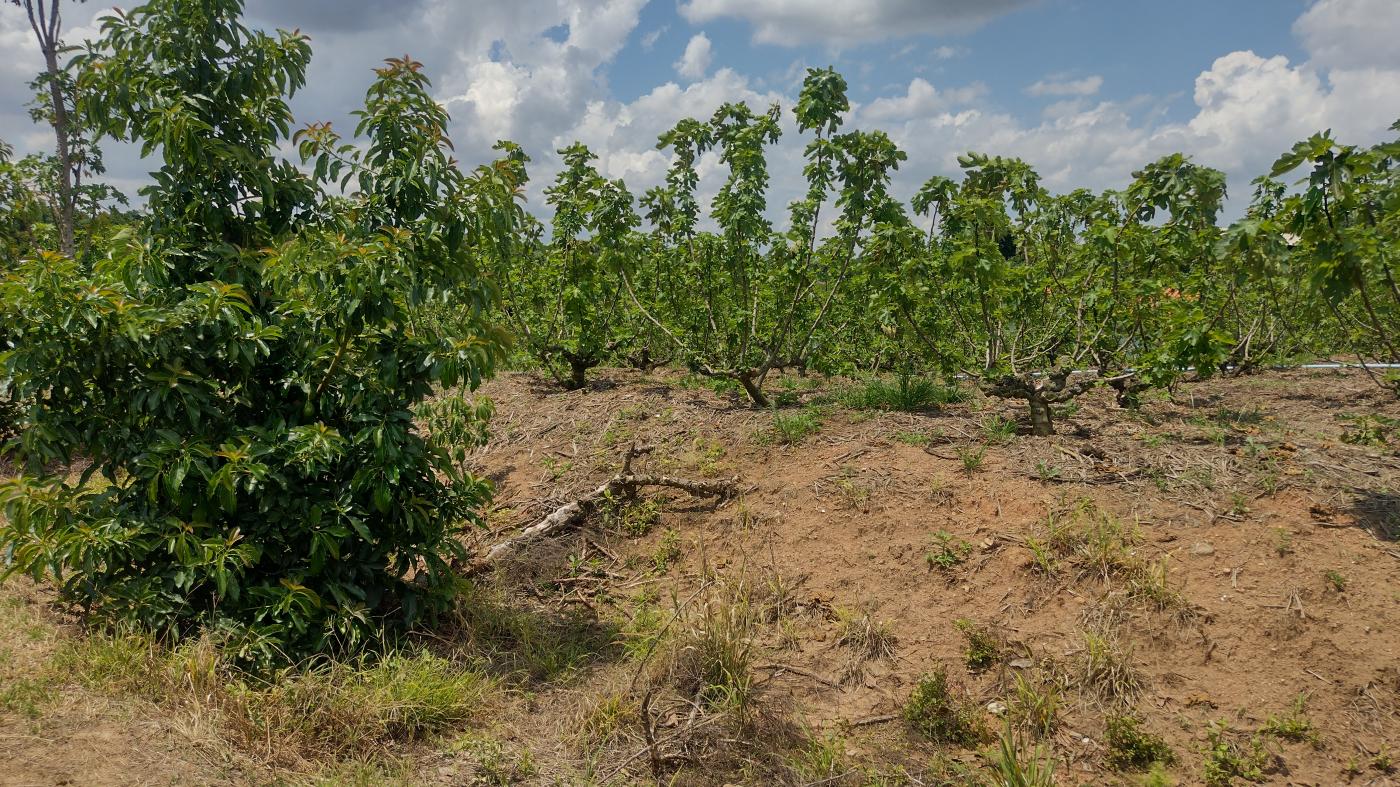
x,y
566,298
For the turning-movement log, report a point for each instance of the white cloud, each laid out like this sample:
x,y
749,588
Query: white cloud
x,y
837,22
695,61
920,99
500,75
1053,86
650,38
1352,33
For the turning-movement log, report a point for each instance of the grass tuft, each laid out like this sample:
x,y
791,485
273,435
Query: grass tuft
x,y
905,393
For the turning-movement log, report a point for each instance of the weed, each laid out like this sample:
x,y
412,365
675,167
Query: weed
x,y
496,765
971,456
516,640
1283,541
912,437
1042,560
1149,582
1203,477
1294,726
1372,430
618,431
720,385
1132,748
708,456
1034,706
608,720
1236,418
642,631
1269,482
1336,580
821,760
1383,761
938,713
854,493
1046,472
906,393
633,517
1095,541
26,697
947,552
356,706
1157,776
1153,440
998,430
1018,764
1239,505
555,467
668,551
1227,759
713,656
1105,670
793,428
787,398
983,646
867,637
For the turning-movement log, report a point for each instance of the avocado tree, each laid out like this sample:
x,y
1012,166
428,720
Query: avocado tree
x,y
241,368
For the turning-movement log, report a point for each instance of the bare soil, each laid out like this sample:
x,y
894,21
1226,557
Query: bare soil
x,y
1281,557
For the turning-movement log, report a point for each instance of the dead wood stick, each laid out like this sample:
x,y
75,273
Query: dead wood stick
x,y
866,722
572,513
780,668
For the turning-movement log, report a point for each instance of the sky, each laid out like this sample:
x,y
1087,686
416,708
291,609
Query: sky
x,y
1086,91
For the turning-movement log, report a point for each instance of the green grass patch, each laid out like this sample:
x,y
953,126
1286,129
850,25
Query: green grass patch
x,y
906,394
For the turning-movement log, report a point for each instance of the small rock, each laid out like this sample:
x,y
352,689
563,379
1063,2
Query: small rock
x,y
996,708
1202,549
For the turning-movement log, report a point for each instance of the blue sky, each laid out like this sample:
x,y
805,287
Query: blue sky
x,y
1144,47
1085,90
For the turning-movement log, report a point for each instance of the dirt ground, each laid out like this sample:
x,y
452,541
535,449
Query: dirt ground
x,y
1269,513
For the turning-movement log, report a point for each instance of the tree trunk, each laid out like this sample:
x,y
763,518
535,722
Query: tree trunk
x,y
46,23
578,373
751,388
1041,423
66,242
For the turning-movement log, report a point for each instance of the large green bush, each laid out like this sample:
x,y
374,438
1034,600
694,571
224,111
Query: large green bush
x,y
242,368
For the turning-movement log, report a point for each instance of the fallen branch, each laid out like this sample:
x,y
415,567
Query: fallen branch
x,y
778,669
625,484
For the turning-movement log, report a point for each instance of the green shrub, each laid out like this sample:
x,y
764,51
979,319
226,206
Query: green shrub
x,y
1129,746
947,552
936,712
983,646
242,368
1228,759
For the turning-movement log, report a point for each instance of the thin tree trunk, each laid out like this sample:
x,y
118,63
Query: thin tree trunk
x,y
66,243
1041,422
46,23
